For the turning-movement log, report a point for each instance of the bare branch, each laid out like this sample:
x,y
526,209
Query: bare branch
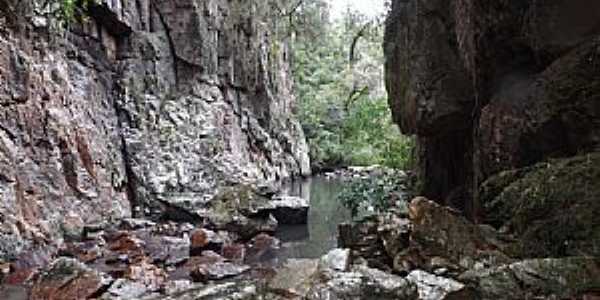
x,y
357,36
355,95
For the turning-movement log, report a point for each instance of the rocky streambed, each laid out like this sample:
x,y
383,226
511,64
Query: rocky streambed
x,y
282,249
240,237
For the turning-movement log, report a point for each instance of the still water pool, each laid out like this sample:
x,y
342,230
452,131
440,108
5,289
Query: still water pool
x,y
319,235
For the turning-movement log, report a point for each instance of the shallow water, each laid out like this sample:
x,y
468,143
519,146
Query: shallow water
x,y
320,234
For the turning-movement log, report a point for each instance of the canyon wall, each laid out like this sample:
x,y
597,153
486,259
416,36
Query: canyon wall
x,y
489,87
139,107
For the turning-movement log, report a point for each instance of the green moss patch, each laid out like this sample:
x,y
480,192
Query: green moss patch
x,y
552,207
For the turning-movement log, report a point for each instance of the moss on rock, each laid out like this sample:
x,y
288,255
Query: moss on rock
x,y
552,207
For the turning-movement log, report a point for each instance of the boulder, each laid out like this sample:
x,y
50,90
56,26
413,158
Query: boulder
x,y
362,282
68,279
204,239
295,278
548,278
288,210
551,207
336,260
439,231
168,250
363,239
262,247
432,287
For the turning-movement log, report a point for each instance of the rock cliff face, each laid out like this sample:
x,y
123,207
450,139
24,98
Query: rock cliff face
x,y
490,87
142,106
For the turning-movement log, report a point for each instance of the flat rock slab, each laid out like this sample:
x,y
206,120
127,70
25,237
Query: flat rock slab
x,y
217,271
288,210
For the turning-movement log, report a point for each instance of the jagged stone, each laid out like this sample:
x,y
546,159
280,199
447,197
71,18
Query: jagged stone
x,y
149,275
432,287
363,240
440,232
295,278
68,279
262,247
204,239
168,250
336,260
125,289
363,283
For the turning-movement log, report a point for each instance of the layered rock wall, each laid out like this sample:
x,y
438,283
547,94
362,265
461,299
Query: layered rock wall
x,y
139,106
488,87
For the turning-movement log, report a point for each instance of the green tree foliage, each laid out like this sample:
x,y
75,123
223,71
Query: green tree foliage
x,y
68,9
59,13
338,72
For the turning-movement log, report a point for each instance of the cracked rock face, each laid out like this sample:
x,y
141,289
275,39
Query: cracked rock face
x,y
144,106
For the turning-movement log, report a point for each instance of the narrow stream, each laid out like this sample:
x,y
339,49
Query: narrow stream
x,y
320,234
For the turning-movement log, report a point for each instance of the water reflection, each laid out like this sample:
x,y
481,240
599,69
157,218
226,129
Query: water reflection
x,y
320,234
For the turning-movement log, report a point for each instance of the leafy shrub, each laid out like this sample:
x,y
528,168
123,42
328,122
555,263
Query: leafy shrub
x,y
375,193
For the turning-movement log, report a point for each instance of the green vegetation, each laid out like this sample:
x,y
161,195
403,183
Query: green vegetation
x,y
375,194
338,73
68,9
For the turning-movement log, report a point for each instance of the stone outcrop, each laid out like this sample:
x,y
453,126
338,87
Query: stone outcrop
x,y
574,277
143,107
488,88
552,206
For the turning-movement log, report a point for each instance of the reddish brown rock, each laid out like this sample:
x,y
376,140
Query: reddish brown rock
x,y
126,243
147,274
206,258
234,252
262,247
68,279
440,232
86,252
204,239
